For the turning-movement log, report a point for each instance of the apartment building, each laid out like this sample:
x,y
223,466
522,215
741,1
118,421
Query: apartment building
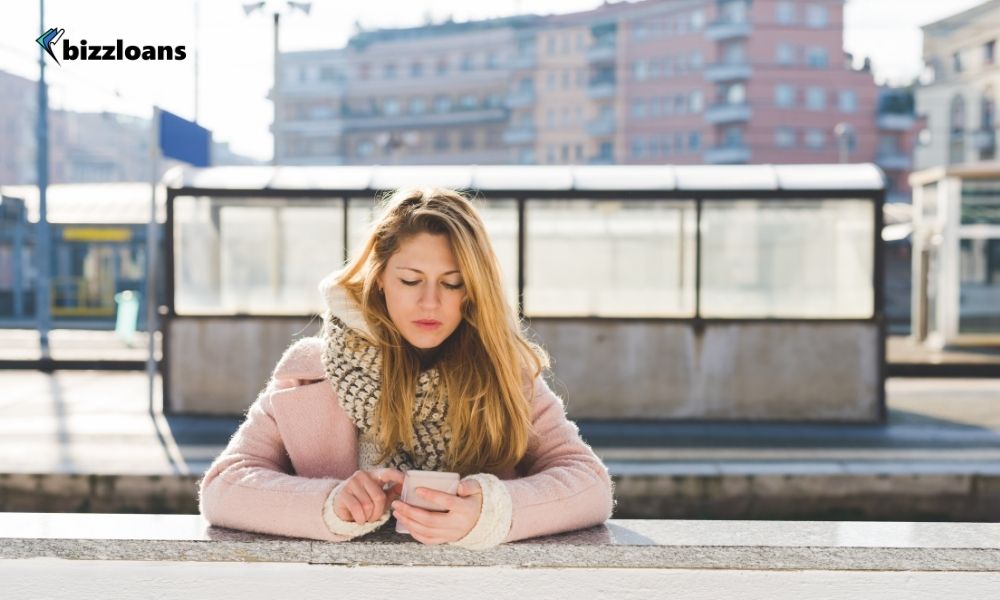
x,y
648,82
959,100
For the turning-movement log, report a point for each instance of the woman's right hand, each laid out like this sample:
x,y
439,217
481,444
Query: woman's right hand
x,y
362,498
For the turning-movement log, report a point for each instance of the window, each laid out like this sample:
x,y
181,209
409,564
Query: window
x,y
442,66
986,136
784,137
989,52
815,139
697,20
696,61
786,12
467,140
697,101
389,71
492,61
816,16
639,108
956,62
817,57
550,80
732,137
442,141
785,53
735,94
416,70
366,148
442,104
816,98
956,130
848,101
468,102
784,95
467,63
639,70
391,106
418,105
694,141
680,104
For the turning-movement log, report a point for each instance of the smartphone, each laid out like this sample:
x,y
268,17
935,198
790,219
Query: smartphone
x,y
442,481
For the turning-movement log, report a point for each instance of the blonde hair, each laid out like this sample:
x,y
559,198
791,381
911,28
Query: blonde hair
x,y
483,364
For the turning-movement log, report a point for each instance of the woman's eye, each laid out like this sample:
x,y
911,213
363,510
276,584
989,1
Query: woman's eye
x,y
447,285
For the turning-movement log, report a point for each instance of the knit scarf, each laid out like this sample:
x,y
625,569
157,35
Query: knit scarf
x,y
353,365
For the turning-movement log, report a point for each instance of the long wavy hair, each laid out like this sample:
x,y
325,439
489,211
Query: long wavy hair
x,y
483,364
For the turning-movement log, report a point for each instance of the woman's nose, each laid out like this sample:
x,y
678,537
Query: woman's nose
x,y
429,296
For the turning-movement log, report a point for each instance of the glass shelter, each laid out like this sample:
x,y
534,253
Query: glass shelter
x,y
956,255
702,292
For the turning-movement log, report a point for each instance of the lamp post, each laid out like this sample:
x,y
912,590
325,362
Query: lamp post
x,y
275,7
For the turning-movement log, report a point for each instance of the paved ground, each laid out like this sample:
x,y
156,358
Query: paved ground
x,y
98,422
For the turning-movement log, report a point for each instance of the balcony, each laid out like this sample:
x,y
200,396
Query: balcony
x,y
894,161
728,71
519,135
896,121
601,126
454,117
727,155
521,98
600,89
603,52
724,29
725,112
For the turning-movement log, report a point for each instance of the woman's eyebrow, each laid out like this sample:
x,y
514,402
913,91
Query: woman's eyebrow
x,y
422,273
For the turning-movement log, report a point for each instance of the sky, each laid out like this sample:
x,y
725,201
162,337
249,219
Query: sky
x,y
235,50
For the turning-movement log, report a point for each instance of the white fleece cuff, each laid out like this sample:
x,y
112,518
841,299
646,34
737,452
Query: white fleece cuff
x,y
349,529
495,517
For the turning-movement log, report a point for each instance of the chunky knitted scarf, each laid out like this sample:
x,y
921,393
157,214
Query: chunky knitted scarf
x,y
354,367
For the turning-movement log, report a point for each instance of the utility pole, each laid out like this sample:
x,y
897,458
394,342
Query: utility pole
x,y
43,303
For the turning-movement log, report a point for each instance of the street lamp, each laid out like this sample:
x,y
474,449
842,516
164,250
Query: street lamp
x,y
275,7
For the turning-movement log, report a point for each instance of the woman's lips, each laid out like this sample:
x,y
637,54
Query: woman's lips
x,y
428,324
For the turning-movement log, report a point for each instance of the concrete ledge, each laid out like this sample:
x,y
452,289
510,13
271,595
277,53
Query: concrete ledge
x,y
656,544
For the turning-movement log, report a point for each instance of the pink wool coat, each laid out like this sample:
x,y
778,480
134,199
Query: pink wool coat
x,y
297,444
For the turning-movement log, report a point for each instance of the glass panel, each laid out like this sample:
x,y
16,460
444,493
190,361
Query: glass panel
x,y
980,202
254,256
499,217
794,259
610,258
979,299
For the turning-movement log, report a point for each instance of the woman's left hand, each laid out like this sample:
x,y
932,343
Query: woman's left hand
x,y
430,527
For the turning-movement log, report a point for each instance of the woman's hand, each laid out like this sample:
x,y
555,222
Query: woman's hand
x,y
429,527
362,499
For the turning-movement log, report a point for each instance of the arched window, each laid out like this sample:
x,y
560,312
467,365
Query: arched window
x,y
986,136
956,130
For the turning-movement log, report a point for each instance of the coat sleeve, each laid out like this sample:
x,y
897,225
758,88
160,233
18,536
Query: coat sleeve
x,y
566,485
251,485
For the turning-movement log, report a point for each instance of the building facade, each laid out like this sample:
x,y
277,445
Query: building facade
x,y
959,101
682,82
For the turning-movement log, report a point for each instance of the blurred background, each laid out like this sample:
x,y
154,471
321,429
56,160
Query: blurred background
x,y
278,97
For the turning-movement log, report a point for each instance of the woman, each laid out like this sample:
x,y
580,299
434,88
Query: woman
x,y
421,364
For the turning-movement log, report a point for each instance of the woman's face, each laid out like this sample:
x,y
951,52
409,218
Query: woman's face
x,y
424,290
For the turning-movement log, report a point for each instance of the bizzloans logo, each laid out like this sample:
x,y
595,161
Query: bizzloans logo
x,y
119,51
